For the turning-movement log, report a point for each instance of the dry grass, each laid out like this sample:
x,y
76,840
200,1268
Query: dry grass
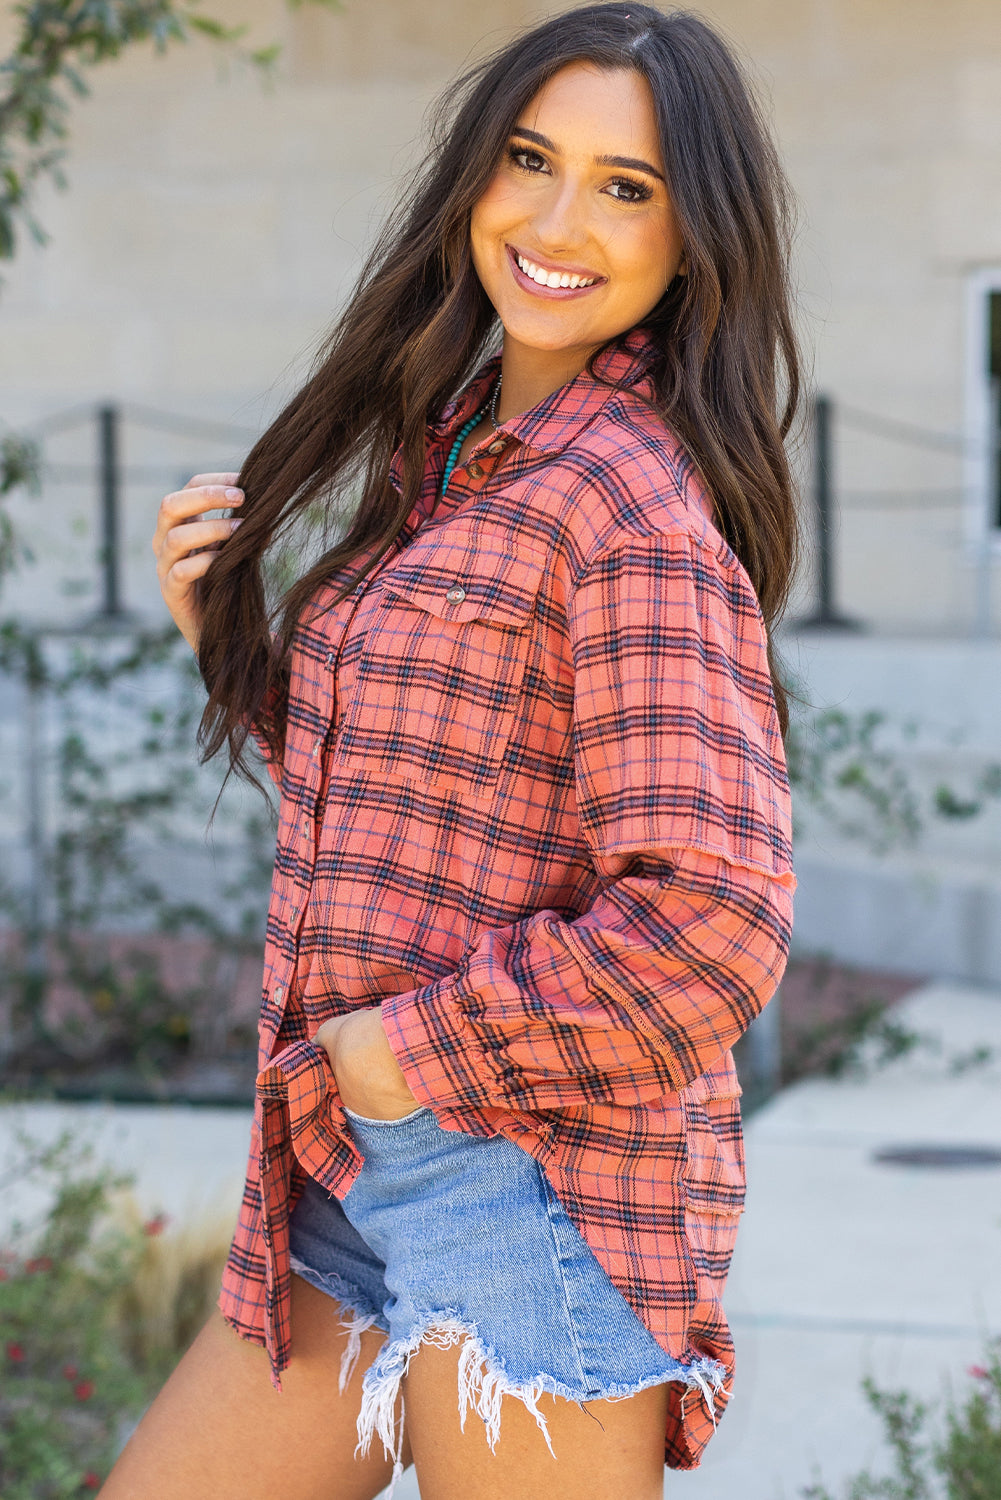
x,y
175,1285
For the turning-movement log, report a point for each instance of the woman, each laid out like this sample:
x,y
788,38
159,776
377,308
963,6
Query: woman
x,y
533,873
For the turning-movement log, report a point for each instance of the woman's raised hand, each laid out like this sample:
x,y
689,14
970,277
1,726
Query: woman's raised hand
x,y
185,543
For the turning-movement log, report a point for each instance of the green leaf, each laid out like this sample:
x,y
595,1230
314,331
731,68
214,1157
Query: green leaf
x,y
266,57
949,805
216,29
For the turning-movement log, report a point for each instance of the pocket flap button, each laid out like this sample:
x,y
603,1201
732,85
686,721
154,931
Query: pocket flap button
x,y
476,470
497,447
456,594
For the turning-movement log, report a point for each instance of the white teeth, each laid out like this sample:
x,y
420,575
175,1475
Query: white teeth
x,y
552,278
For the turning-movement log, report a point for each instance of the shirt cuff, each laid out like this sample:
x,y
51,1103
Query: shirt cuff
x,y
443,1061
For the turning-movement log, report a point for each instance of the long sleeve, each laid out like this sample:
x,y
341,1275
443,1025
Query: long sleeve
x,y
683,800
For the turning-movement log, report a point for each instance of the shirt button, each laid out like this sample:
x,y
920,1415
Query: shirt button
x,y
317,747
330,658
497,447
456,595
277,994
476,470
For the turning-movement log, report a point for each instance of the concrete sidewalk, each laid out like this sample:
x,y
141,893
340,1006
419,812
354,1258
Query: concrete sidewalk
x,y
844,1266
187,1161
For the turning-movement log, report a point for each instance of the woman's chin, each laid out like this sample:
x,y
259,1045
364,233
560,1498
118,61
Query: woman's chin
x,y
549,335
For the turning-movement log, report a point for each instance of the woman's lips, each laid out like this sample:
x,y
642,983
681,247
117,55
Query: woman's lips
x,y
559,292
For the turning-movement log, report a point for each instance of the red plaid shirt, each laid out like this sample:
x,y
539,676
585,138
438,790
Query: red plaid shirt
x,y
534,801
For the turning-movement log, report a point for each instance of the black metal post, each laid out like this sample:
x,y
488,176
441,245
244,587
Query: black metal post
x,y
34,771
110,472
827,616
822,502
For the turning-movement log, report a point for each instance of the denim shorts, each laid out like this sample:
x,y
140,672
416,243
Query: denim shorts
x,y
454,1239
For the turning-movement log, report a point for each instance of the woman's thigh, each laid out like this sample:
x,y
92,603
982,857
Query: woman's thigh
x,y
219,1431
604,1450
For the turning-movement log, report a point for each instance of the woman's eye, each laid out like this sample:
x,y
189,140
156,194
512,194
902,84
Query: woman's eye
x,y
622,188
634,192
528,161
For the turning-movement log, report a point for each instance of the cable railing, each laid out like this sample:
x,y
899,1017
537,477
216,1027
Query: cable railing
x,y
827,416
914,435
110,475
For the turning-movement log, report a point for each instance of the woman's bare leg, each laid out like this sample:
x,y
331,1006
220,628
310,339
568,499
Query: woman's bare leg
x,y
612,1450
219,1431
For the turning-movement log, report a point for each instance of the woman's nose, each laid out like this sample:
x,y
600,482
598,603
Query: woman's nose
x,y
562,220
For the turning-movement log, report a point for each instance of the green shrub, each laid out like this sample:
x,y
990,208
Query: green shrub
x,y
67,1383
961,1462
96,1306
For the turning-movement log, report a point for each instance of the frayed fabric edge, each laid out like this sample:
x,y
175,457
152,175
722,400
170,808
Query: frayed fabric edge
x,y
483,1383
705,1375
356,1320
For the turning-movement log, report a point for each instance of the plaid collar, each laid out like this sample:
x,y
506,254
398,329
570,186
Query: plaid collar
x,y
552,425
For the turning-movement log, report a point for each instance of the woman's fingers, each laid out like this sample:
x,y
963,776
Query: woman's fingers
x,y
188,570
185,542
193,501
199,480
192,537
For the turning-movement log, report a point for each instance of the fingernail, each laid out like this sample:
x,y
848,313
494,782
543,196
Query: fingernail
x,y
234,494
237,521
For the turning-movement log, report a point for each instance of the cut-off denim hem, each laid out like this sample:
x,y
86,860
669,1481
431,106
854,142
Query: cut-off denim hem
x,y
449,1240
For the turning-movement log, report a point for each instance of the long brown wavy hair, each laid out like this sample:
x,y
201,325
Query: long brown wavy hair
x,y
726,373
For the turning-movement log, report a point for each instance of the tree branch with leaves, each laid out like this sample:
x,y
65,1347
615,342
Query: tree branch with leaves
x,y
57,43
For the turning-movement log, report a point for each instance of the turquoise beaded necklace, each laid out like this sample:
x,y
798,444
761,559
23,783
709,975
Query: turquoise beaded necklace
x,y
489,408
464,432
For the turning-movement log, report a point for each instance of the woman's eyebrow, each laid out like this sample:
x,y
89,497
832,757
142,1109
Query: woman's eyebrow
x,y
603,161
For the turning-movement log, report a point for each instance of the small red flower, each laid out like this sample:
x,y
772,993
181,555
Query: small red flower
x,y
40,1263
156,1225
15,1352
4,1275
91,1481
83,1390
978,1372
70,1372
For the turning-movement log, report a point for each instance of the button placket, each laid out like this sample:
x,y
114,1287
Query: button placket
x,y
356,597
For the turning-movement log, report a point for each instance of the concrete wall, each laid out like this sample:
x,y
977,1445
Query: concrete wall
x,y
889,116
212,226
931,904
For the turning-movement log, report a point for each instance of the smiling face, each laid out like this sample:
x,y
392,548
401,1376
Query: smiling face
x,y
575,239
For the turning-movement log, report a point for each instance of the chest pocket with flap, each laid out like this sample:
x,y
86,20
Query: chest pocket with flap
x,y
439,675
